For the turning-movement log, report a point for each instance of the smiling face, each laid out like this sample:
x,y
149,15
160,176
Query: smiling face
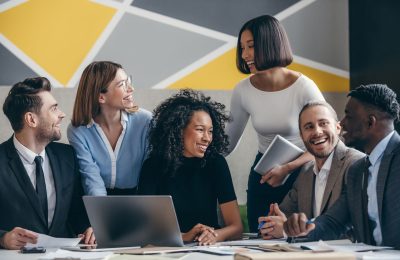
x,y
197,135
119,93
355,124
247,45
49,120
319,131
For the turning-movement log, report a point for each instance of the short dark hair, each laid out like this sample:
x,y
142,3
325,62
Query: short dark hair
x,y
170,119
271,44
315,103
378,96
23,98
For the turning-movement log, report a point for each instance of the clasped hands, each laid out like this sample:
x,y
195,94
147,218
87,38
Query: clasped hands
x,y
203,234
271,226
19,237
276,225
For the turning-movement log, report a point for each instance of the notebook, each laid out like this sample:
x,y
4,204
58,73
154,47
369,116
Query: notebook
x,y
279,152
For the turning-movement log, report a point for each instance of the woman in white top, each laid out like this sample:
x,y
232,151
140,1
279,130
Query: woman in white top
x,y
272,97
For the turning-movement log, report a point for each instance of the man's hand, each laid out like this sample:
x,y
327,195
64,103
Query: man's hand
x,y
18,238
273,227
275,176
88,237
297,225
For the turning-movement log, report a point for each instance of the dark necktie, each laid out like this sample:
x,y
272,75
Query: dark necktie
x,y
368,225
41,186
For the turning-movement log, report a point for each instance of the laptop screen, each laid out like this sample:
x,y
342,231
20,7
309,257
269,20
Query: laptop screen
x,y
125,221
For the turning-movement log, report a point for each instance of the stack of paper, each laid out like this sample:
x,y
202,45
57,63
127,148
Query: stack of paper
x,y
295,256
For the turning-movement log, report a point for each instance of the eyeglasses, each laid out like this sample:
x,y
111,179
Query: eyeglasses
x,y
127,84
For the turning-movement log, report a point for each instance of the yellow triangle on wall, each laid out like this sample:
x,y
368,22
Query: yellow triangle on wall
x,y
57,35
327,82
222,74
218,74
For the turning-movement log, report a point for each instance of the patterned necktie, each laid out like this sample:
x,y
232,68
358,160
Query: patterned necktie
x,y
41,186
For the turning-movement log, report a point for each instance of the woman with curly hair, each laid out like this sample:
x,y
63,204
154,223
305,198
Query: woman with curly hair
x,y
186,140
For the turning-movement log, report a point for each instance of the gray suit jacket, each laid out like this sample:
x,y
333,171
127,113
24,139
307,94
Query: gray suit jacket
x,y
301,197
348,208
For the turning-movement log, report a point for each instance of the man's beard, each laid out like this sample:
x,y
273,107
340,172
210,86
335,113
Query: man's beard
x,y
47,135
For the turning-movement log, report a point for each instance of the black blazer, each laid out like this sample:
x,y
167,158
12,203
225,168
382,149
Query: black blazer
x,y
348,208
19,203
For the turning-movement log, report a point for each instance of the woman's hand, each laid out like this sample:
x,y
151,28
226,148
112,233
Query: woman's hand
x,y
208,237
276,175
201,233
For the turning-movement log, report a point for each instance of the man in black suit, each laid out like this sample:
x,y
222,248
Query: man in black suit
x,y
40,188
370,201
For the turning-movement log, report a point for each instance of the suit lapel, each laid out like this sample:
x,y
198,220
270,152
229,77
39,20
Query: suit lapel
x,y
334,173
384,170
21,175
56,171
307,197
355,198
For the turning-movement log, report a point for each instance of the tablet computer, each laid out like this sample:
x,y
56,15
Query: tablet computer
x,y
279,152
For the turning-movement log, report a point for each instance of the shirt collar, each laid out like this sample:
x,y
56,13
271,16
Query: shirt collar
x,y
25,153
326,167
378,150
124,119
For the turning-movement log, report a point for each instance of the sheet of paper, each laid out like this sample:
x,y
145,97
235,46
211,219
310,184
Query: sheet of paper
x,y
252,242
65,254
340,246
54,242
359,247
380,255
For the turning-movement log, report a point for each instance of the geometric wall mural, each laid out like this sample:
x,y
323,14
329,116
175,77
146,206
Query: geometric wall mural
x,y
166,43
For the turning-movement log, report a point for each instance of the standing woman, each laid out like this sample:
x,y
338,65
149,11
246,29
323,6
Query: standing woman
x,y
108,131
272,97
186,141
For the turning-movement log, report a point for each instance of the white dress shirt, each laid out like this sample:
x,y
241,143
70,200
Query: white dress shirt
x,y
375,159
28,160
321,177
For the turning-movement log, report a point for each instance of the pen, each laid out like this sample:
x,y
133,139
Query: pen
x,y
310,221
262,222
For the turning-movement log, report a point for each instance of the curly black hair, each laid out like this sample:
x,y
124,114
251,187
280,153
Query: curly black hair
x,y
379,96
172,116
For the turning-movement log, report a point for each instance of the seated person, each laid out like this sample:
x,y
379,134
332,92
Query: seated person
x,y
40,185
186,141
108,131
320,185
370,199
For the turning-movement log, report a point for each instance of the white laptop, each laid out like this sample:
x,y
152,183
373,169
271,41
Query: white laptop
x,y
129,221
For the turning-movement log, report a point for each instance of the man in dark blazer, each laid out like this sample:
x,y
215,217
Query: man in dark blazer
x,y
40,188
370,200
320,182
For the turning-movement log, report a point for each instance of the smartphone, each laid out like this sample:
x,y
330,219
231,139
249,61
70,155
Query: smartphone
x,y
33,250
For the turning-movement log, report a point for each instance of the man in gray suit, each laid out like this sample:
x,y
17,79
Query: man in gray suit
x,y
319,184
370,200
